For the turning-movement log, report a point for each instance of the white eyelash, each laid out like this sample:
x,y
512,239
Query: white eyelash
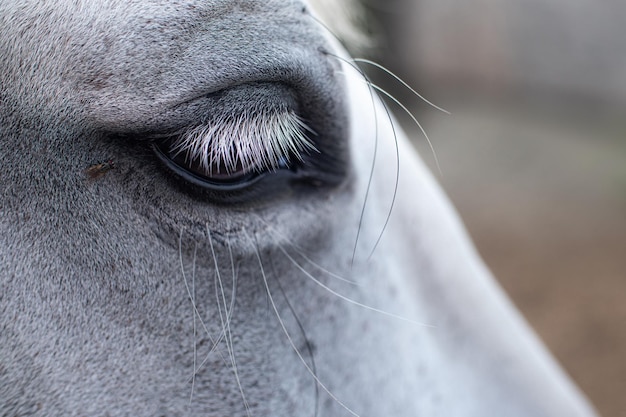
x,y
255,141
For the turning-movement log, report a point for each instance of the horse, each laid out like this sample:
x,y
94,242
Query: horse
x,y
207,211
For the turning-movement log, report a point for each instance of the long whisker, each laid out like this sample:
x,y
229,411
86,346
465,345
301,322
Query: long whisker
x,y
381,67
403,107
300,252
195,344
282,325
372,167
395,139
304,335
215,344
191,296
233,293
395,184
392,74
401,81
226,323
343,297
418,124
369,183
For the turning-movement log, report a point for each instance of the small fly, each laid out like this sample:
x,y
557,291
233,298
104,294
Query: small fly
x,y
98,170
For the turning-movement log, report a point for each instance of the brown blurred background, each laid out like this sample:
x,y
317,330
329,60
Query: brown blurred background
x,y
533,156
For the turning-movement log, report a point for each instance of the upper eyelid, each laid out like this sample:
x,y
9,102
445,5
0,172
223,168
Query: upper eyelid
x,y
255,143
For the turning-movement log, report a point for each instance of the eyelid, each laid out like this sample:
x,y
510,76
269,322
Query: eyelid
x,y
246,133
254,141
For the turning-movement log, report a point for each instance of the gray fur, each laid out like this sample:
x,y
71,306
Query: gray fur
x,y
109,289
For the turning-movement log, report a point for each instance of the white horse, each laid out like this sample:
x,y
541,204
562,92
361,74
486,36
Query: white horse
x,y
205,211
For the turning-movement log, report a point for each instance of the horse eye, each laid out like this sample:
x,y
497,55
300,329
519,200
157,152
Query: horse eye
x,y
249,133
219,174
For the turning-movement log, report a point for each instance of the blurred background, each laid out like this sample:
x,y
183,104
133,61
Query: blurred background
x,y
533,155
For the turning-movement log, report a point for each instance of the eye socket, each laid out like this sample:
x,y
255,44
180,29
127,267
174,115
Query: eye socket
x,y
252,142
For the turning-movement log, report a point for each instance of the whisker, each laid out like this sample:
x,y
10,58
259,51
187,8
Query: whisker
x,y
215,344
300,252
403,107
371,86
233,293
304,335
195,309
228,339
373,165
372,168
395,184
418,124
401,81
195,340
380,67
343,297
282,325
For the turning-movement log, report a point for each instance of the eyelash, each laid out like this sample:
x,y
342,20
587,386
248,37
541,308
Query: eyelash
x,y
257,142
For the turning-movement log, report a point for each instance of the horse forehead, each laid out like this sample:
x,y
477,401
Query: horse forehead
x,y
149,19
116,61
137,29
